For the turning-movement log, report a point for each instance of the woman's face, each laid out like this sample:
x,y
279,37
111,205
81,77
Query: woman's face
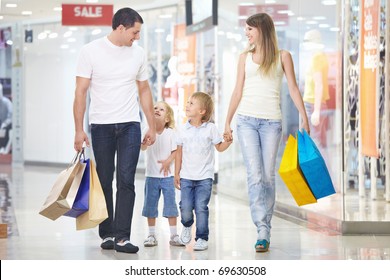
x,y
253,35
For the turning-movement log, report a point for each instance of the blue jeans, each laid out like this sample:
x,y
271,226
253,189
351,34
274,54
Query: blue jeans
x,y
124,140
259,141
153,189
195,195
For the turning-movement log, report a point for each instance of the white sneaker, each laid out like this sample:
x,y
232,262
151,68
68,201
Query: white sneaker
x,y
175,241
200,245
150,241
186,235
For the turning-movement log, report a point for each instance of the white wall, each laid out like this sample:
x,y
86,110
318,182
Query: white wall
x,y
49,92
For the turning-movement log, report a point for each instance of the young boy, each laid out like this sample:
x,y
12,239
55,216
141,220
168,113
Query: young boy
x,y
194,167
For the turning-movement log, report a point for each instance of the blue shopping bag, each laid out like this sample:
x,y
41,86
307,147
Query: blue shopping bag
x,y
313,167
81,202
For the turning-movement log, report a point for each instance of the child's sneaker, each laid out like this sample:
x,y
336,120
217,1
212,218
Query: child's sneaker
x,y
175,241
150,241
186,235
201,245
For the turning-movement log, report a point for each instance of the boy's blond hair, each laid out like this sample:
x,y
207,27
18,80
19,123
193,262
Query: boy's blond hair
x,y
170,114
206,103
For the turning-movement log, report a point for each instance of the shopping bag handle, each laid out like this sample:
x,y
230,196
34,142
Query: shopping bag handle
x,y
78,157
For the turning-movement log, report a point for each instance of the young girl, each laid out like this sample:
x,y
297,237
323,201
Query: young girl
x,y
194,167
256,97
159,160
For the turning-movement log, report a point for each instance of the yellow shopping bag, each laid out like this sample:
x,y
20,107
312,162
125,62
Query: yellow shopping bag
x,y
292,175
97,211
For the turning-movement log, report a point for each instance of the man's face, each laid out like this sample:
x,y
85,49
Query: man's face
x,y
131,34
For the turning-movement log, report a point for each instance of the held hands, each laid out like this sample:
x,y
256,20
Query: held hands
x,y
150,137
228,134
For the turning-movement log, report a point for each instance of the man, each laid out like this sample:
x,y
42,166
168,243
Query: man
x,y
113,69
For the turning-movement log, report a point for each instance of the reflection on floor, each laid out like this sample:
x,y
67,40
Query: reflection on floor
x,y
232,234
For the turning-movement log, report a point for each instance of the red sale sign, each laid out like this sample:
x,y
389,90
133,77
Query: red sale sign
x,y
87,14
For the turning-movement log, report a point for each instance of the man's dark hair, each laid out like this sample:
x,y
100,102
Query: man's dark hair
x,y
127,17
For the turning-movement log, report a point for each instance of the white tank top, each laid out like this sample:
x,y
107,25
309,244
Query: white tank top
x,y
261,94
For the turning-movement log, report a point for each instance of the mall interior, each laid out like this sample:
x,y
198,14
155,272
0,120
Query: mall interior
x,y
192,50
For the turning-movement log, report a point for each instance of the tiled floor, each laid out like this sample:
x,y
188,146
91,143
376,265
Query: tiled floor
x,y
232,234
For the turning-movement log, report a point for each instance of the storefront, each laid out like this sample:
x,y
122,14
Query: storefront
x,y
182,60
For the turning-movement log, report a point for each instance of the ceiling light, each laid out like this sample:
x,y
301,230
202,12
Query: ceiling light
x,y
9,5
27,13
247,4
42,35
68,34
92,1
53,35
328,2
57,9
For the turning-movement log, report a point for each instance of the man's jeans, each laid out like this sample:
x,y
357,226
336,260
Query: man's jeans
x,y
195,195
259,140
124,140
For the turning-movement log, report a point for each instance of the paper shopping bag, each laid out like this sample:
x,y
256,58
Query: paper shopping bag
x,y
313,167
292,176
97,211
80,204
64,190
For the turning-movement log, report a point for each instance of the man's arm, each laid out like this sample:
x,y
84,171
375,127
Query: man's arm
x,y
146,101
79,105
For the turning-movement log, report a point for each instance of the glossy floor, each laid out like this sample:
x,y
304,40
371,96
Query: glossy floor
x,y
232,234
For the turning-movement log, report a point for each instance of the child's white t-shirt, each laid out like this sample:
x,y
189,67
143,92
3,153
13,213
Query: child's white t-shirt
x,y
162,148
198,150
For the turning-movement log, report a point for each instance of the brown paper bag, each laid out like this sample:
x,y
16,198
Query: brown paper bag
x,y
97,211
64,190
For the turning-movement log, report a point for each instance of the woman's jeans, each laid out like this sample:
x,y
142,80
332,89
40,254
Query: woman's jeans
x,y
195,195
259,141
124,140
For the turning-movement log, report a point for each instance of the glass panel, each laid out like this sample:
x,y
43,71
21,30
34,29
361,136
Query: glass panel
x,y
365,176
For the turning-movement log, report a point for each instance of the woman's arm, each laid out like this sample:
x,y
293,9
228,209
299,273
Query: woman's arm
x,y
288,67
236,96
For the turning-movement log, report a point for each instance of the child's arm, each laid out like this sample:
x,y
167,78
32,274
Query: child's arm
x,y
178,159
166,164
222,146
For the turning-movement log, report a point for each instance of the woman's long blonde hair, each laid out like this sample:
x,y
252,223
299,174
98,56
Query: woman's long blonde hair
x,y
269,43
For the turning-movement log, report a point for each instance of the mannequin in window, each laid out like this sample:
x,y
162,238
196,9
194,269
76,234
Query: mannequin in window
x,y
173,84
5,123
316,90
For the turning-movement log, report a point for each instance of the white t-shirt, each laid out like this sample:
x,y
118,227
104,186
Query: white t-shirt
x,y
162,148
198,150
113,72
261,94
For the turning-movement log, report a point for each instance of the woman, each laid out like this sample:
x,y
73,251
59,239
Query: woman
x,y
256,98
